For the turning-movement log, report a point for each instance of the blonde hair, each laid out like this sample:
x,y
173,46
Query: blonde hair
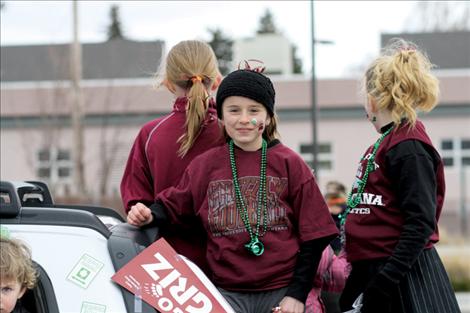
x,y
400,80
16,263
192,65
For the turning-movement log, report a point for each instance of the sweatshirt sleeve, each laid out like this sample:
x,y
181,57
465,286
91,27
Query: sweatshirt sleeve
x,y
137,182
306,266
412,168
178,201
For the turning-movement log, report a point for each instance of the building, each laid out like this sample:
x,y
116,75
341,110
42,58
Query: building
x,y
35,85
36,138
447,50
275,50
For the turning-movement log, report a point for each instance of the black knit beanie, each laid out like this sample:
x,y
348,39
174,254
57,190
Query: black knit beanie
x,y
248,84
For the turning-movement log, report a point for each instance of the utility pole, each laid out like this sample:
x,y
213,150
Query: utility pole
x,y
314,115
77,106
463,195
314,104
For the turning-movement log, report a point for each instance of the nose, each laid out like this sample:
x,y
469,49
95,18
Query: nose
x,y
245,117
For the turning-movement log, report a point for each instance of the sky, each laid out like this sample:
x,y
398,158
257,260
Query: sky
x,y
354,27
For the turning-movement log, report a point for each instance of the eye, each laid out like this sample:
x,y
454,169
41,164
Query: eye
x,y
6,289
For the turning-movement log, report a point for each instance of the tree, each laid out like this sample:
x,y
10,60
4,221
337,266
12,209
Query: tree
x,y
110,138
114,29
222,46
440,16
266,24
296,61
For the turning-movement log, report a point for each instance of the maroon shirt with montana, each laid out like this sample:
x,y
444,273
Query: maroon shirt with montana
x,y
373,228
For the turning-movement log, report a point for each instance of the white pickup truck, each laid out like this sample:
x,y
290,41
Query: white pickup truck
x,y
76,250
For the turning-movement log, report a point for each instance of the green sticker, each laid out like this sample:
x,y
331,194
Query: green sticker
x,y
88,307
85,271
4,232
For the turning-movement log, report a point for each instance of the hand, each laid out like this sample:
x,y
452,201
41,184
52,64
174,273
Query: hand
x,y
139,215
375,301
291,305
378,296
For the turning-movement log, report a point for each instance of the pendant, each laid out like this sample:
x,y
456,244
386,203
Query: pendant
x,y
255,246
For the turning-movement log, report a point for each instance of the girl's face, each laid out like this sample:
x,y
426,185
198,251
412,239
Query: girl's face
x,y
10,291
238,117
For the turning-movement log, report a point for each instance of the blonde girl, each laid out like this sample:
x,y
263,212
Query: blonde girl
x,y
165,146
390,223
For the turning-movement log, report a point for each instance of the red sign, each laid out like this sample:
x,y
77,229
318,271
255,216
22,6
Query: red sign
x,y
170,283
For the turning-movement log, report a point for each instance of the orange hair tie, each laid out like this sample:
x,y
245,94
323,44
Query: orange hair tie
x,y
196,78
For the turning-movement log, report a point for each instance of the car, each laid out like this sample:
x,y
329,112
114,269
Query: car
x,y
76,250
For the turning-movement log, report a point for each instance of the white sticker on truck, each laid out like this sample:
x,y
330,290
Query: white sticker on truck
x,y
88,307
85,271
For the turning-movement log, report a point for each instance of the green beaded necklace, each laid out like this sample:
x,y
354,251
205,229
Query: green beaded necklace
x,y
352,202
255,246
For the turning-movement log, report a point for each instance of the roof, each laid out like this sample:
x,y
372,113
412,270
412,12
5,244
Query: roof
x,y
118,58
447,50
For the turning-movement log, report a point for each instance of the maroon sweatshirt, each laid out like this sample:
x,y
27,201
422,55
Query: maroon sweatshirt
x,y
154,165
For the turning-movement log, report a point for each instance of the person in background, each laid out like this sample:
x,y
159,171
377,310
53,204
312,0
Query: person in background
x,y
165,146
17,274
335,196
329,282
334,268
266,221
391,220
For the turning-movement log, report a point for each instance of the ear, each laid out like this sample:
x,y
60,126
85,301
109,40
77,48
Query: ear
x,y
169,86
216,83
22,291
372,104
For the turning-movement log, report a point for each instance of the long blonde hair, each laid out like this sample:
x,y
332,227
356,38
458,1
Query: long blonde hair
x,y
192,65
400,80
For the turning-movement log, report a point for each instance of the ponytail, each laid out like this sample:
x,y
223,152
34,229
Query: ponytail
x,y
192,65
195,114
401,81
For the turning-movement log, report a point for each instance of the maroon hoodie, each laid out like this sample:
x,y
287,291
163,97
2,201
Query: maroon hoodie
x,y
154,165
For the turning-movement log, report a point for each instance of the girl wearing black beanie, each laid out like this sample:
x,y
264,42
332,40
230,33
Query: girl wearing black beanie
x,y
266,221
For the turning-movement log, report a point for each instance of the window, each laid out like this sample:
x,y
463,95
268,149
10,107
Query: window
x,y
54,165
325,155
40,299
5,198
455,152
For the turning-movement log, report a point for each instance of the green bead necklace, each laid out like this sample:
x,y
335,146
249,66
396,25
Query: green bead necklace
x,y
255,246
352,202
